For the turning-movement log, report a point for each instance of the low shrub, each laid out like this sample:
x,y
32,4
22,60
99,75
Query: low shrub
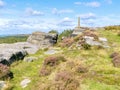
x,y
66,81
86,46
50,63
115,59
44,71
5,72
71,64
67,42
114,54
91,34
77,38
81,69
54,60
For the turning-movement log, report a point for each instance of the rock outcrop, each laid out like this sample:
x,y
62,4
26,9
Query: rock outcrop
x,y
17,51
43,40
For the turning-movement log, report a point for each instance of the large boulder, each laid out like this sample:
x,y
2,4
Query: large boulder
x,y
10,53
17,51
43,40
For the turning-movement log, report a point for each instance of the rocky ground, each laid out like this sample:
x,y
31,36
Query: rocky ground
x,y
73,64
17,51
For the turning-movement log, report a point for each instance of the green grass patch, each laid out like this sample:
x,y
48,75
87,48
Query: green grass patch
x,y
13,39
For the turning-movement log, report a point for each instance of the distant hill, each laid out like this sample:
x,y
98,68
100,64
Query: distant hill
x,y
13,38
115,27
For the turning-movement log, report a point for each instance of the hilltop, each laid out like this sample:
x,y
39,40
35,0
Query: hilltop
x,y
71,64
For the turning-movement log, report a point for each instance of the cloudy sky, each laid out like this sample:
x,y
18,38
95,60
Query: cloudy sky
x,y
26,16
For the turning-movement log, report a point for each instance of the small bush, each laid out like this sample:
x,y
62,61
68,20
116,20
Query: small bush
x,y
79,37
50,63
66,81
67,42
115,59
5,72
53,31
114,54
91,34
86,46
53,60
81,69
71,64
44,71
65,33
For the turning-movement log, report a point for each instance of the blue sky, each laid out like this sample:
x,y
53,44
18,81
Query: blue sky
x,y
27,16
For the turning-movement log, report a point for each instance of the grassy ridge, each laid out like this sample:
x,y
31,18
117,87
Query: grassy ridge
x,y
13,39
101,75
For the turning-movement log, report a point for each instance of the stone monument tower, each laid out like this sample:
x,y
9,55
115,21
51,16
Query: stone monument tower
x,y
78,22
78,29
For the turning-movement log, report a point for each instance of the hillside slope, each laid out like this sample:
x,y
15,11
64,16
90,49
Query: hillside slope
x,y
70,69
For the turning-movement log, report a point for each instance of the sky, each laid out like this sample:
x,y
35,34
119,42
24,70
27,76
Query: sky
x,y
27,16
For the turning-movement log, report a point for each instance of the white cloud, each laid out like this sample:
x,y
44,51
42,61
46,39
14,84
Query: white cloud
x,y
2,3
108,1
31,12
56,11
29,25
89,4
66,23
87,16
78,3
93,4
67,19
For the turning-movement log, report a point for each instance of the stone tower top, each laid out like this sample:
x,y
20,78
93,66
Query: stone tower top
x,y
78,22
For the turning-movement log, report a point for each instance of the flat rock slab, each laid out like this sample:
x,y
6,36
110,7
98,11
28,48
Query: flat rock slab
x,y
16,51
30,48
24,83
52,51
30,59
2,85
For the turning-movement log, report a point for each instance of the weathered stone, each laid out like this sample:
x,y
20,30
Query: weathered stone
x,y
30,59
88,37
43,40
24,83
53,51
102,39
16,51
93,43
8,55
2,85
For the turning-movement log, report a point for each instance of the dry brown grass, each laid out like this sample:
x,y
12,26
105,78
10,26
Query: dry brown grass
x,y
66,42
91,34
50,63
